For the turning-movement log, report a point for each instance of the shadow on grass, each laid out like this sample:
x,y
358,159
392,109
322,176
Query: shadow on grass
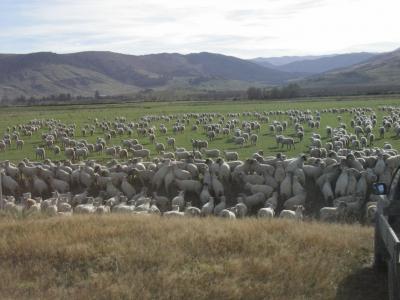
x,y
364,284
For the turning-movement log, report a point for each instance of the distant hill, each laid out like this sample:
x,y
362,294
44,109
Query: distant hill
x,y
379,71
309,65
45,73
283,60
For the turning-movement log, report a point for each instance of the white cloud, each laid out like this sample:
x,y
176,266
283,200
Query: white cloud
x,y
236,27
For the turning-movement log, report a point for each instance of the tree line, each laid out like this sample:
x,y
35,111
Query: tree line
x,y
292,90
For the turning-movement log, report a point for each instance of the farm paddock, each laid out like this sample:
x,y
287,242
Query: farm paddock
x,y
266,142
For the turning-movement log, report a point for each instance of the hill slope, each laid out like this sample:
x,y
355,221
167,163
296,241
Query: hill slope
x,y
382,70
139,257
308,65
40,74
324,64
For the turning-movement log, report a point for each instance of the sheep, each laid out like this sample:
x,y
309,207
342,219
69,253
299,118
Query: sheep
x,y
144,153
255,188
240,209
174,212
9,184
40,153
329,214
292,215
289,142
220,206
161,202
266,212
296,200
179,200
227,214
19,143
239,140
160,147
370,212
211,152
253,200
208,208
189,185
230,155
179,155
171,142
192,211
128,190
253,139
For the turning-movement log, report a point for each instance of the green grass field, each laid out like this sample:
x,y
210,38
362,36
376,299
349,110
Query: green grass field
x,y
83,114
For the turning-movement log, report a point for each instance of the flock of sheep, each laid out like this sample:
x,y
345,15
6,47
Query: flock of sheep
x,y
332,182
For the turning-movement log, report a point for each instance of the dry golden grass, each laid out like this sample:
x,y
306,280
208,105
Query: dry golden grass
x,y
132,257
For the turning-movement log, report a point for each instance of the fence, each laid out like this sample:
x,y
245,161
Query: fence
x,y
387,251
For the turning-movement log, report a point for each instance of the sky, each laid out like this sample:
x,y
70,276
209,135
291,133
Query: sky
x,y
242,28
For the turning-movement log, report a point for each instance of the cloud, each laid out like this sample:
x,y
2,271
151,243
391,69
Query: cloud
x,y
234,27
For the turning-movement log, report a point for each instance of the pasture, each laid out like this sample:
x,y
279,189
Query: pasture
x,y
142,248
139,257
85,114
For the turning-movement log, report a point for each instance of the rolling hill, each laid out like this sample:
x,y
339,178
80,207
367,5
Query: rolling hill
x,y
309,65
45,73
380,71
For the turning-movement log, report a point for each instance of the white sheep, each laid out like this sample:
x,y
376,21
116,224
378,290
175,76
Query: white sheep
x,y
292,215
328,214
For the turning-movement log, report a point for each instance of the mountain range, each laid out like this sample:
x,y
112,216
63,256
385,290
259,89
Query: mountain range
x,y
46,73
315,64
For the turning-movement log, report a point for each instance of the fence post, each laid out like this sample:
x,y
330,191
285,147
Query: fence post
x,y
395,279
1,190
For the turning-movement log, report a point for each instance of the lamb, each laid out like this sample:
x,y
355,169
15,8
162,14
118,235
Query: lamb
x,y
370,210
227,214
208,208
87,208
192,211
293,215
328,214
266,212
240,209
174,212
179,200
